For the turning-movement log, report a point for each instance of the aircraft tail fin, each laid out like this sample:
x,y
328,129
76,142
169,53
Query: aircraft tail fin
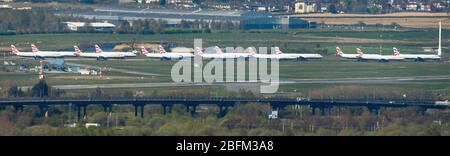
x,y
218,50
144,50
251,51
14,49
77,50
98,49
161,49
34,48
395,51
277,50
339,52
359,51
198,51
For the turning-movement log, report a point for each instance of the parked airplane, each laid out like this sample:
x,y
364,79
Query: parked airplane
x,y
415,57
57,54
163,55
377,57
36,54
300,57
126,54
101,55
15,51
422,57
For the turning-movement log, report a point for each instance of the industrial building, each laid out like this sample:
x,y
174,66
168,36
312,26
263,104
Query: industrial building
x,y
302,7
259,20
277,23
247,19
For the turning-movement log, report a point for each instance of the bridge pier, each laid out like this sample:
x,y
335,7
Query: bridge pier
x,y
79,111
139,108
374,110
192,107
18,108
85,111
193,110
166,108
422,110
107,108
44,110
324,110
142,111
313,110
135,110
223,109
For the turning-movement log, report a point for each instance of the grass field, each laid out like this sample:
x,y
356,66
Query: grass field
x,y
329,68
326,68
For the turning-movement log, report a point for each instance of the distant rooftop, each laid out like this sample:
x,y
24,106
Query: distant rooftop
x,y
93,24
176,11
186,14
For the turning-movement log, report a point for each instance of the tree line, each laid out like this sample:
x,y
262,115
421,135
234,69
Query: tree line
x,y
249,119
40,89
27,21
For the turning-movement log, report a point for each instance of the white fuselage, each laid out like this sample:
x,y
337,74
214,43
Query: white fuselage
x,y
40,54
59,53
125,54
419,57
264,56
169,55
26,54
224,55
211,56
298,56
383,58
234,55
106,55
350,56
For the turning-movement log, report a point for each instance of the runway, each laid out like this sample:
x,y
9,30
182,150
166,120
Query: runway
x,y
367,80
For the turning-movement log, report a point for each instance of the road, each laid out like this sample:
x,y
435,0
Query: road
x,y
369,80
129,85
116,70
